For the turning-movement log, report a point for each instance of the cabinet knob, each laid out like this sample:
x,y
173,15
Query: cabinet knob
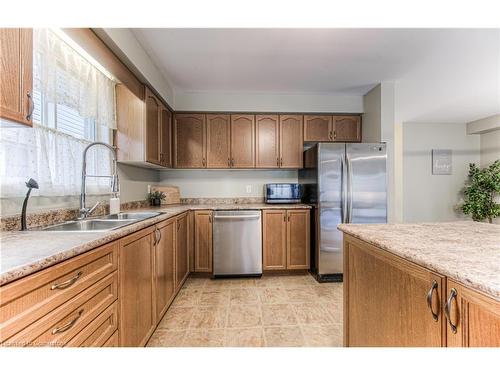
x,y
31,106
447,309
429,299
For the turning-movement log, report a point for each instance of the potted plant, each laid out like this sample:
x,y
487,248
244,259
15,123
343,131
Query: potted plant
x,y
480,193
155,197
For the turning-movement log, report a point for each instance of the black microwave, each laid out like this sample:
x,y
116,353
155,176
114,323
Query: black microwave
x,y
283,193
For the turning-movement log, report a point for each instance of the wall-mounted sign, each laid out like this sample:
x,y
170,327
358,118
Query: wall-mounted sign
x,y
441,162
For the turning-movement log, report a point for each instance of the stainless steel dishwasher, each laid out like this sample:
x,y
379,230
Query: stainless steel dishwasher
x,y
237,243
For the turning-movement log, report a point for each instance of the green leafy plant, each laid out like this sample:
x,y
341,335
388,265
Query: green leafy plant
x,y
481,192
155,197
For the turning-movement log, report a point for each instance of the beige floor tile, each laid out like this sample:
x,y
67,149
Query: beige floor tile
x,y
284,336
250,337
187,297
336,310
195,283
209,317
326,335
268,282
312,314
205,338
301,294
214,297
244,296
166,338
299,281
244,316
278,315
177,318
272,295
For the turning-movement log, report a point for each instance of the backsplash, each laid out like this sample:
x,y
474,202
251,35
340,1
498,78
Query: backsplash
x,y
238,200
38,219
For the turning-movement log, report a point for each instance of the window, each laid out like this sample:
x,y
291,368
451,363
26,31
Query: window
x,y
74,106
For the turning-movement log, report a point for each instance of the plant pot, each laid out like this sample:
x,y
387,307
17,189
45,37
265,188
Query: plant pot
x,y
155,202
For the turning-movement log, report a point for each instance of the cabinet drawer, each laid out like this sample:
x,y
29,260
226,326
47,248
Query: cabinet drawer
x,y
28,299
60,326
99,331
113,341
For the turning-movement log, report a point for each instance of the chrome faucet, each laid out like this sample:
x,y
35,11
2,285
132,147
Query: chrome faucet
x,y
115,187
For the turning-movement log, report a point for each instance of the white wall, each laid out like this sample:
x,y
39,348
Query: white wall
x,y
372,116
254,102
428,197
224,183
490,147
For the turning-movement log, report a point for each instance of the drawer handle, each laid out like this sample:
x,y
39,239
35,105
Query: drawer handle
x,y
447,309
67,283
69,325
429,299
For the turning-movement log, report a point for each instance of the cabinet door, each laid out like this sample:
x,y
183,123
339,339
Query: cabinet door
x,y
473,319
385,299
189,138
153,106
274,239
166,137
164,266
218,141
298,247
267,141
136,288
16,75
291,141
318,128
347,128
181,256
203,241
242,141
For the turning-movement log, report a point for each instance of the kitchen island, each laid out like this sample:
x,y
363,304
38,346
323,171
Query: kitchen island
x,y
431,284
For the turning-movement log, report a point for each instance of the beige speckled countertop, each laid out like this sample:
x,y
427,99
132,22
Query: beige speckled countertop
x,y
468,252
23,253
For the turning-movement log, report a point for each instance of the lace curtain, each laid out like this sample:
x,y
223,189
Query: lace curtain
x,y
74,105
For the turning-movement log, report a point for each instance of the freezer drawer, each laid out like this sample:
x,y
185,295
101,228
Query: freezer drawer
x,y
237,243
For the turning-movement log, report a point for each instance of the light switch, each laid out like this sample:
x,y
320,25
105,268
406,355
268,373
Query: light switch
x,y
249,188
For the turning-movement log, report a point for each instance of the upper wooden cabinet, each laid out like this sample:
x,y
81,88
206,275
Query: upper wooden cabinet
x,y
190,141
473,320
389,301
16,75
218,141
291,141
203,241
318,128
267,141
347,128
144,129
242,141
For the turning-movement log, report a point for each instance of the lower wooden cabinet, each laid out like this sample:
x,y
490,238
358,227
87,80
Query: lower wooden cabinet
x,y
182,251
137,297
203,241
164,265
285,238
473,319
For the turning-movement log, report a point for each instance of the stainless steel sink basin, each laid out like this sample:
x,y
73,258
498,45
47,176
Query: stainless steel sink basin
x,y
91,225
130,216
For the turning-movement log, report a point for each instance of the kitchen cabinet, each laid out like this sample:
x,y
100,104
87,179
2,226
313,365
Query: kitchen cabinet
x,y
218,141
473,319
389,301
267,141
286,239
143,136
346,128
291,142
181,255
16,75
298,240
203,241
242,141
190,218
318,128
164,265
137,297
190,141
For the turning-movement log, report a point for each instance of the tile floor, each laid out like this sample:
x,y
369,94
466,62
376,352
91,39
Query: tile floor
x,y
270,311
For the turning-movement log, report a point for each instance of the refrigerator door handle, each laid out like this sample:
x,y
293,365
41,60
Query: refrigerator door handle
x,y
343,190
349,189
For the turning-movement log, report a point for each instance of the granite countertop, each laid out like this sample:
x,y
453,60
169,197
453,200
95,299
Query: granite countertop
x,y
23,253
466,251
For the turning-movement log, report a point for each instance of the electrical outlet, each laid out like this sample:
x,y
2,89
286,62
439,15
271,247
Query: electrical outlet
x,y
249,188
149,189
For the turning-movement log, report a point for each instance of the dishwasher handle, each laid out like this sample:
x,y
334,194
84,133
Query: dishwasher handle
x,y
238,217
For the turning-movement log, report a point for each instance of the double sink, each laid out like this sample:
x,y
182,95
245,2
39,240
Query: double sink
x,y
102,223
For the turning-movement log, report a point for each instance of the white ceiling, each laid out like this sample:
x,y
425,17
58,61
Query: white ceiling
x,y
442,75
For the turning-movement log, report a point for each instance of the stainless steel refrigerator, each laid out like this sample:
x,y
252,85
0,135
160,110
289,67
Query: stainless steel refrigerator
x,y
345,183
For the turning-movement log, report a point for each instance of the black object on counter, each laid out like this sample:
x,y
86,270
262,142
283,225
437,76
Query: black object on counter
x,y
31,184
